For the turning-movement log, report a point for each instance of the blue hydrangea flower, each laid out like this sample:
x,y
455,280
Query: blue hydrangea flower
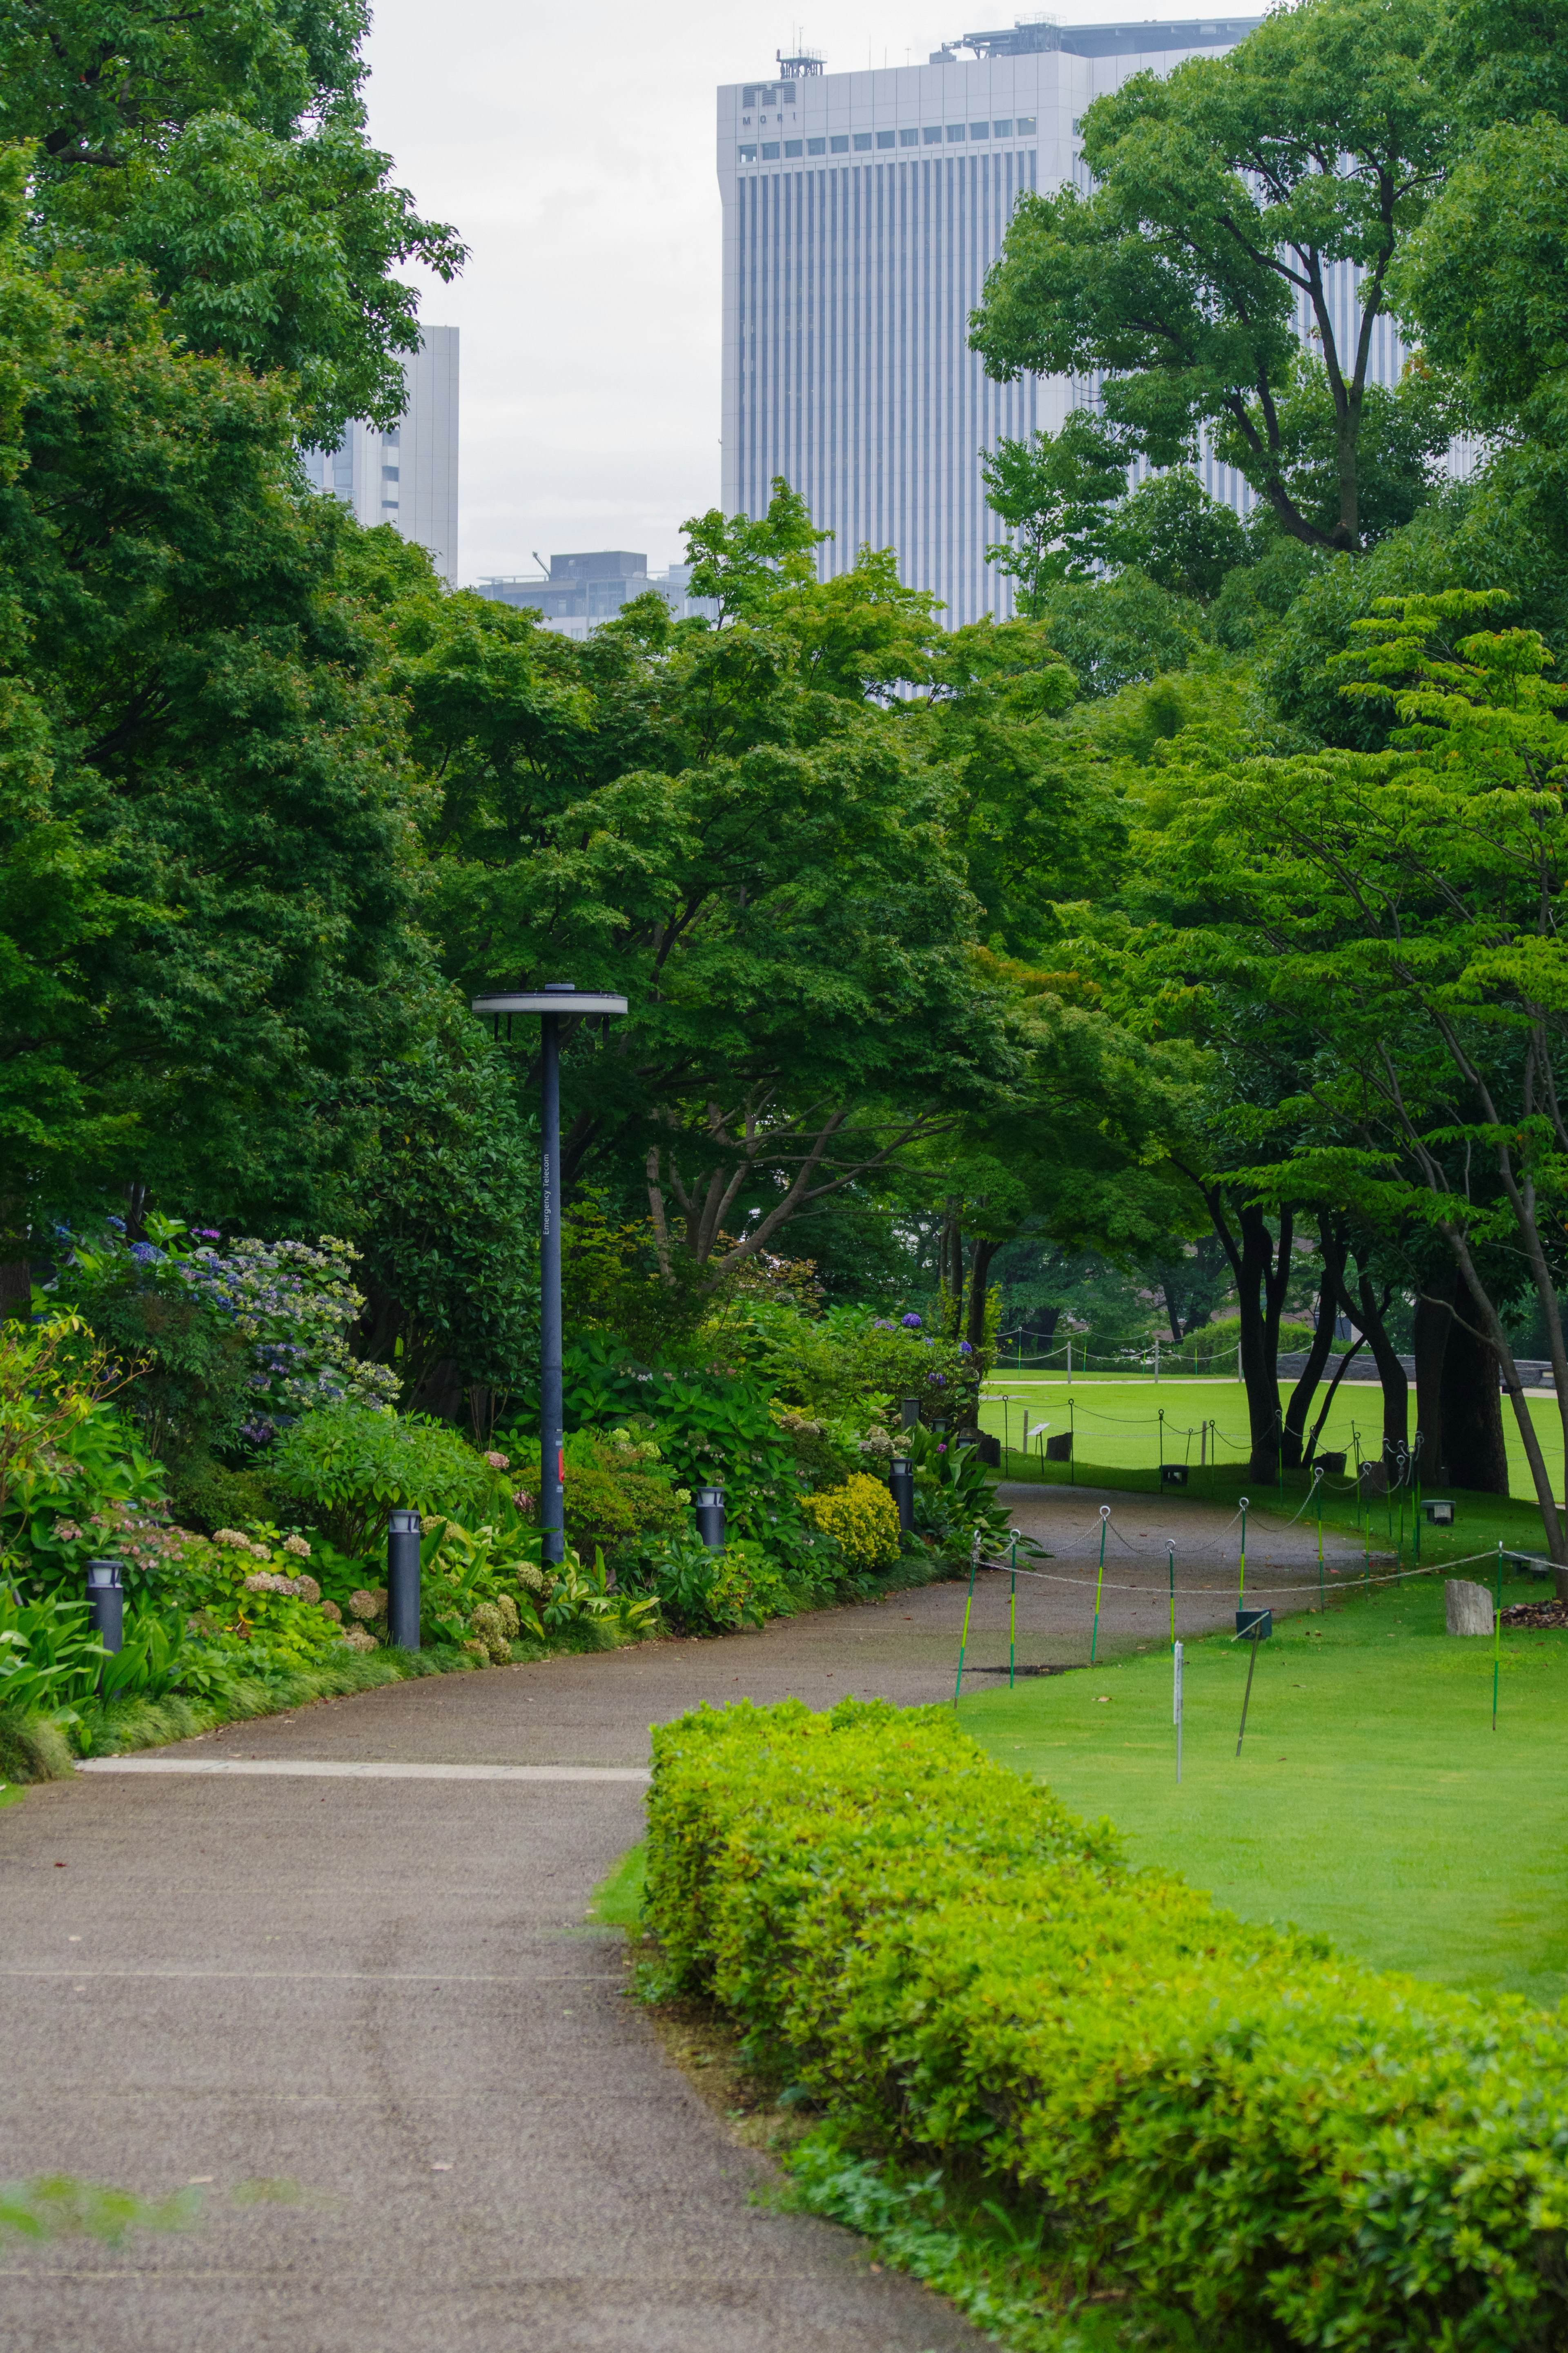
x,y
964,1349
912,1323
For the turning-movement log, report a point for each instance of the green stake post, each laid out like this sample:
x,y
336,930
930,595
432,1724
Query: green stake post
x,y
1171,1563
1100,1580
1072,1431
1318,1491
1013,1615
1241,1578
963,1638
1497,1632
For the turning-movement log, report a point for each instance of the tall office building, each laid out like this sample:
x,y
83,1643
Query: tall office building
x,y
408,475
861,213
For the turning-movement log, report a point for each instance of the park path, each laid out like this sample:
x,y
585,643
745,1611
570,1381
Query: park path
x,y
382,1989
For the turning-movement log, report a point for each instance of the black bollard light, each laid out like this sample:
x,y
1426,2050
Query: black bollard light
x,y
403,1534
902,1480
711,1517
910,1413
106,1602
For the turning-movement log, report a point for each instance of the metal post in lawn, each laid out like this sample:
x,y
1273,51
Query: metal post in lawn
x,y
1171,1564
1247,1695
1161,1410
552,1003
1013,1617
963,1638
1355,1442
1497,1632
1318,1491
1176,1705
1241,1574
1072,1434
1156,1360
1100,1580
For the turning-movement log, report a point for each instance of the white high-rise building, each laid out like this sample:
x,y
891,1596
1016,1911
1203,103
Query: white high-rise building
x,y
861,213
408,475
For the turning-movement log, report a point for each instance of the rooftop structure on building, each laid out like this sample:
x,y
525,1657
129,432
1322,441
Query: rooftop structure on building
x,y
578,592
406,475
862,212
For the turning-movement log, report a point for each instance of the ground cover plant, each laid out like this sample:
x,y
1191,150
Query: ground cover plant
x,y
1225,2125
1371,1803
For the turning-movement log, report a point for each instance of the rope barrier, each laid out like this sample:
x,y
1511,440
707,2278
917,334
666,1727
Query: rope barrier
x,y
1396,1577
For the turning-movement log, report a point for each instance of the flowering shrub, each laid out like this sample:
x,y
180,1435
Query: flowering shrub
x,y
862,1519
296,1306
352,1465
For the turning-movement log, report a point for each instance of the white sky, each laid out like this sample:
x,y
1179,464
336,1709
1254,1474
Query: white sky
x,y
574,149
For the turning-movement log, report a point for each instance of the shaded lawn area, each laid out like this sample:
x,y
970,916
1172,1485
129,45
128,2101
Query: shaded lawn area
x,y
1372,1803
1120,1441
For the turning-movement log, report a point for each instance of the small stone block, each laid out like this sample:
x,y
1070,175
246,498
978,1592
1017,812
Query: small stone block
x,y
1469,1606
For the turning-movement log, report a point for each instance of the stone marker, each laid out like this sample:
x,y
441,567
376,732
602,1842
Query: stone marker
x,y
1469,1606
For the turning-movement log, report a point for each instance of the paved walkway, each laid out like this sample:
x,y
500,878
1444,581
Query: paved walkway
x,y
374,1994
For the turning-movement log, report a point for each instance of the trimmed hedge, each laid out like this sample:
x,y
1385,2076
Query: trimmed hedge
x,y
1232,2121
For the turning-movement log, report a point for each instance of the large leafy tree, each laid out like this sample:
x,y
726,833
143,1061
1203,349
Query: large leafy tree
x,y
731,827
222,153
1402,913
1226,197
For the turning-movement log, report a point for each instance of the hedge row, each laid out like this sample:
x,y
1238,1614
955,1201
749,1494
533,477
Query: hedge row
x,y
1234,2122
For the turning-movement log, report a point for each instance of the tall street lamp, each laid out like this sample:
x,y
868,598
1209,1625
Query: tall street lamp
x,y
556,1001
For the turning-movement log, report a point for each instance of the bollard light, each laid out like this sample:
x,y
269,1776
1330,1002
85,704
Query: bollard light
x,y
106,1602
902,1480
910,1413
711,1517
403,1532
1438,1512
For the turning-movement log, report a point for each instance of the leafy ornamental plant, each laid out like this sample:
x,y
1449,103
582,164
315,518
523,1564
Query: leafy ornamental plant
x,y
53,1382
353,1464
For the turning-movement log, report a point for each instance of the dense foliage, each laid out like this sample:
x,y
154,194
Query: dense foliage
x,y
1228,2121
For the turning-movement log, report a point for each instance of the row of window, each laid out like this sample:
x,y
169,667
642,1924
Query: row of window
x,y
841,142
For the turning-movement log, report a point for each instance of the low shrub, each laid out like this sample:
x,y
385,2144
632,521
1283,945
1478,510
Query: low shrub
x,y
863,1520
351,1465
1229,2122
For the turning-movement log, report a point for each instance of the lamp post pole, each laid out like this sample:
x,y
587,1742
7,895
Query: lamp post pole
x,y
554,1002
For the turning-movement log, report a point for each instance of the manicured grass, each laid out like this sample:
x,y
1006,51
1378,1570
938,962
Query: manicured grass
x,y
616,1902
1119,1440
1372,1803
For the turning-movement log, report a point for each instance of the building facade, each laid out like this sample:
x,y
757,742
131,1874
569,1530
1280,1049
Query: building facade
x,y
862,212
407,476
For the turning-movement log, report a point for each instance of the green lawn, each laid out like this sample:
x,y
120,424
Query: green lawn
x,y
1372,1803
1119,1438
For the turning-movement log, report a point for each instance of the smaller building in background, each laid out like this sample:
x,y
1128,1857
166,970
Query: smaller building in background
x,y
407,476
580,591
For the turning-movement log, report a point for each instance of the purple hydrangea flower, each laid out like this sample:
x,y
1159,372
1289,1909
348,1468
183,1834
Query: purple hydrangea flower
x,y
937,1380
912,1323
964,1349
117,1223
145,1255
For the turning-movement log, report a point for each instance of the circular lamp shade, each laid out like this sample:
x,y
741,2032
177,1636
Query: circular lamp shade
x,y
549,1001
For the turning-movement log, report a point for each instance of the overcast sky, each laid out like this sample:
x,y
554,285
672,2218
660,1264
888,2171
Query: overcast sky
x,y
574,149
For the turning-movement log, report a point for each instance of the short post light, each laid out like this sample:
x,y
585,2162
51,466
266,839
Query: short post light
x,y
557,1000
711,1517
106,1602
404,1530
902,1480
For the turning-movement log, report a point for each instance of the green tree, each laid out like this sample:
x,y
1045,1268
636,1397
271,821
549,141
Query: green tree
x,y
1055,491
1224,196
1401,913
1171,529
228,159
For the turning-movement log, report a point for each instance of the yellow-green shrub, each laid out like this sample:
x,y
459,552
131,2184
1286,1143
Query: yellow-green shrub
x,y
863,1518
1288,2149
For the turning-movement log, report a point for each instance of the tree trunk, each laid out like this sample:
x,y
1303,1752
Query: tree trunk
x,y
984,1254
1365,1313
1474,1450
1434,1327
16,1289
1263,1275
1333,1249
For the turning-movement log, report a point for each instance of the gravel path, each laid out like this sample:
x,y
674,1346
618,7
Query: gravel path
x,y
377,1997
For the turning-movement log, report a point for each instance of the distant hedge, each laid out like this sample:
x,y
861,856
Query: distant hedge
x,y
1232,2121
